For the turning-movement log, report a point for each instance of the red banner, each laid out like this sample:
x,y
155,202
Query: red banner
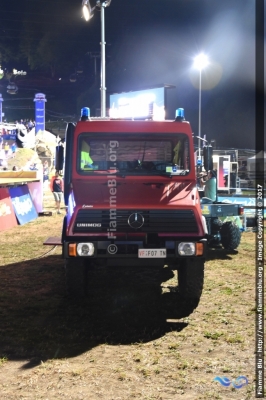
x,y
7,216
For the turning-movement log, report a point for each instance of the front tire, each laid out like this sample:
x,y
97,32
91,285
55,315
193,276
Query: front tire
x,y
76,277
230,235
190,283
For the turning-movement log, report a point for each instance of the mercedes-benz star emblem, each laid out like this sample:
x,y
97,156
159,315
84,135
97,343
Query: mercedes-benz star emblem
x,y
135,220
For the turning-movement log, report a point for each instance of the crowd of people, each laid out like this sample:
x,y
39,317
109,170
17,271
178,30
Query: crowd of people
x,y
7,151
6,130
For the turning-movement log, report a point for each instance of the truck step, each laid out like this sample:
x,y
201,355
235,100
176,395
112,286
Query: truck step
x,y
53,241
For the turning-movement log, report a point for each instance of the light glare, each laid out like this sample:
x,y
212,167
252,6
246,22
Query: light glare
x,y
86,12
201,61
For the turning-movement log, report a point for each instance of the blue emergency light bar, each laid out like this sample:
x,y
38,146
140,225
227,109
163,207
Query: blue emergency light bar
x,y
85,113
180,113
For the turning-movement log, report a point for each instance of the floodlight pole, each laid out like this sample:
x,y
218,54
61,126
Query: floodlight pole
x,y
200,62
103,87
199,144
87,13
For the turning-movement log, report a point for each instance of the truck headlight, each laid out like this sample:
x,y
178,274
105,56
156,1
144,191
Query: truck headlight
x,y
85,249
186,249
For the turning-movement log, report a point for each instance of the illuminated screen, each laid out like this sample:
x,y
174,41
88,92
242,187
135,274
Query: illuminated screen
x,y
138,104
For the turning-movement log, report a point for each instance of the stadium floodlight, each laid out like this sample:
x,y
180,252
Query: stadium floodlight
x,y
87,10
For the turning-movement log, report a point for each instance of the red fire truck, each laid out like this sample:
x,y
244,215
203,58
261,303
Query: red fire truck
x,y
131,197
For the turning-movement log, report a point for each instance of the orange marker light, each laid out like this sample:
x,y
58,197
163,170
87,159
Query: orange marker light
x,y
72,249
199,249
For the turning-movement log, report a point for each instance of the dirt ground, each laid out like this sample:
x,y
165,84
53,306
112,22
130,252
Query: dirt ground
x,y
125,341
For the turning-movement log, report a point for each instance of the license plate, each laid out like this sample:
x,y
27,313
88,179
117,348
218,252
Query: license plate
x,y
152,253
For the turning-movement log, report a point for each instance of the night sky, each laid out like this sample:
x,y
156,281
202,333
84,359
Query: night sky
x,y
152,42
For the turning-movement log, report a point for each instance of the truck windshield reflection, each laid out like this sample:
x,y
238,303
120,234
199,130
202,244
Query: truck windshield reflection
x,y
134,154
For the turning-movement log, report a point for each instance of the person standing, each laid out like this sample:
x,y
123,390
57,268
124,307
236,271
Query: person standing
x,y
45,172
210,189
56,186
13,149
6,149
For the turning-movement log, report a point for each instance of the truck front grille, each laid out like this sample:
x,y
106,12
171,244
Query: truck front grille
x,y
154,221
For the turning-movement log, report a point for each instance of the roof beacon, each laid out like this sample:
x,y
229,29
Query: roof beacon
x,y
85,114
180,114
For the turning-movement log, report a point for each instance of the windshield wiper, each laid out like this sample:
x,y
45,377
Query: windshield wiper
x,y
170,174
182,173
144,151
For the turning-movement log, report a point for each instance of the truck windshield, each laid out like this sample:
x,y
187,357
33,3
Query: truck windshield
x,y
133,154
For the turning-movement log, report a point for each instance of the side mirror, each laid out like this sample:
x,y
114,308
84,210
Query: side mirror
x,y
207,158
59,158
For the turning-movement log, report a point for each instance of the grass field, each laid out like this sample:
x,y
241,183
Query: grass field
x,y
125,341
